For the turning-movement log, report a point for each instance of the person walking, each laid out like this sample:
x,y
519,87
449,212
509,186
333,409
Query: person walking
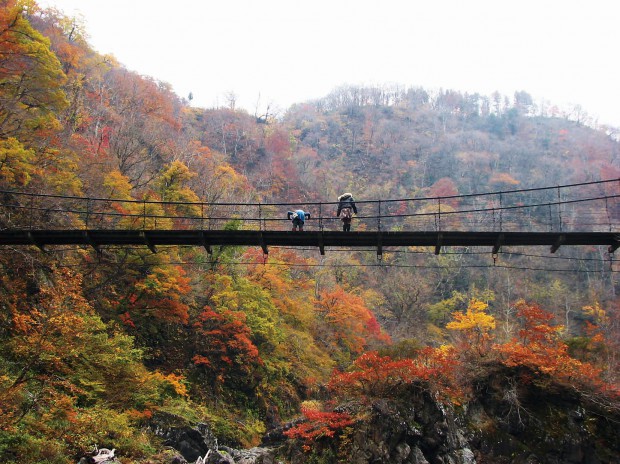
x,y
298,217
346,208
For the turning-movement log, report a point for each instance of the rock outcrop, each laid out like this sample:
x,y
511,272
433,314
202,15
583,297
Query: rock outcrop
x,y
192,442
541,422
504,422
414,430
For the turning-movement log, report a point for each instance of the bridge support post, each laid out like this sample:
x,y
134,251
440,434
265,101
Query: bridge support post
x,y
439,243
205,244
262,243
558,243
148,242
34,242
615,245
498,244
88,239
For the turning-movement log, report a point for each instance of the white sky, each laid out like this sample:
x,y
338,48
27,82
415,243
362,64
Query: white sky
x,y
281,52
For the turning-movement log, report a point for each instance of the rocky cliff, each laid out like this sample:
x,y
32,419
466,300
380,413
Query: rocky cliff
x,y
506,420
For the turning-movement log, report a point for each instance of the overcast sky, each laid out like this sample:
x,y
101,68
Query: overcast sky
x,y
281,52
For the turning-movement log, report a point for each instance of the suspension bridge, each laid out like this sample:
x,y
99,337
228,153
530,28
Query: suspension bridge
x,y
583,214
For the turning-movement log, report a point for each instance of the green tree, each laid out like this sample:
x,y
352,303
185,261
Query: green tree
x,y
31,77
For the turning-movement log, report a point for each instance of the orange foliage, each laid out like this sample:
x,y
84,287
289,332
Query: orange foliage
x,y
349,322
49,329
160,294
225,343
445,187
603,338
375,376
318,424
290,296
540,348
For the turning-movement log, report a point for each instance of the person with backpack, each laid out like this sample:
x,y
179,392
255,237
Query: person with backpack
x,y
346,208
298,217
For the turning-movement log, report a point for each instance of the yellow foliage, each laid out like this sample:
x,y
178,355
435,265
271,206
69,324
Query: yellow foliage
x,y
312,405
176,381
228,175
117,186
16,162
475,318
598,313
446,350
474,326
503,178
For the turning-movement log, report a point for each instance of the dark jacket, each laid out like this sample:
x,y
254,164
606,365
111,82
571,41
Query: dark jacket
x,y
346,201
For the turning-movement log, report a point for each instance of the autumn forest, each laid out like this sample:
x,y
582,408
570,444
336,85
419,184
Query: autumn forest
x,y
100,347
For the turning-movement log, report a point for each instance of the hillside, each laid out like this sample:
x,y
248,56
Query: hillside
x,y
108,347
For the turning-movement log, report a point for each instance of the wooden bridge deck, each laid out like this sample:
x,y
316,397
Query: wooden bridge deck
x,y
319,239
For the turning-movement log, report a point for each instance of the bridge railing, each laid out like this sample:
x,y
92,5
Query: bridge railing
x,y
592,206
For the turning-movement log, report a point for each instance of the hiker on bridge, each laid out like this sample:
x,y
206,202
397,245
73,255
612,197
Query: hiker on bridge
x,y
298,216
346,208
